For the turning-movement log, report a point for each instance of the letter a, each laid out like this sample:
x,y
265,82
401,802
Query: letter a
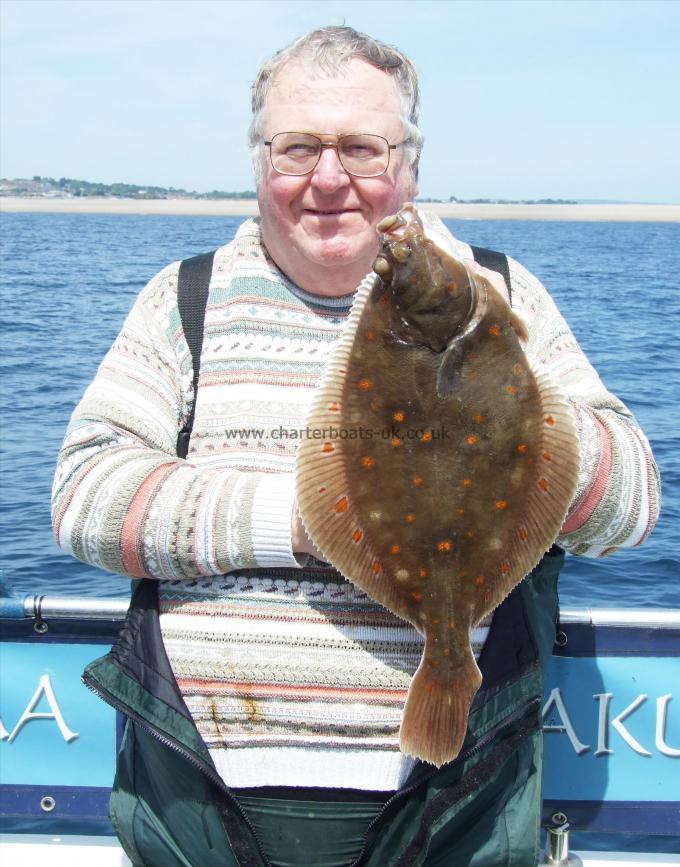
x,y
555,698
44,688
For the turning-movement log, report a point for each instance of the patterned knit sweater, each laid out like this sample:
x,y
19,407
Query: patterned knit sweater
x,y
293,676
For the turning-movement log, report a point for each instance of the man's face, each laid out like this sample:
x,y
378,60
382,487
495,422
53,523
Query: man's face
x,y
320,228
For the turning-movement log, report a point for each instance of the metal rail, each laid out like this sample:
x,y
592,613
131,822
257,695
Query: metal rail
x,y
35,604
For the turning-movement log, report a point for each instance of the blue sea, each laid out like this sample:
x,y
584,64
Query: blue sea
x,y
68,281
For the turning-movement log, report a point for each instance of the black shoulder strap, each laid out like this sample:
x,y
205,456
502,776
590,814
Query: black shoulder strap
x,y
494,261
192,296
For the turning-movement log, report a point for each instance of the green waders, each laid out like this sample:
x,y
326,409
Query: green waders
x,y
170,808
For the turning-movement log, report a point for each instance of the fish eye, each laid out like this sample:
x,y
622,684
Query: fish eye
x,y
401,251
382,268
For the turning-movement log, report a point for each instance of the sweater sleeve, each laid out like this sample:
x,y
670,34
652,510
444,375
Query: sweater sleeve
x,y
618,491
123,501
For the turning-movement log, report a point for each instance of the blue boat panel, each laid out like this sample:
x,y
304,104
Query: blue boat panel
x,y
660,818
62,629
612,732
588,639
55,809
53,730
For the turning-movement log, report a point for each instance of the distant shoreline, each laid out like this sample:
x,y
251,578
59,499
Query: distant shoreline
x,y
248,208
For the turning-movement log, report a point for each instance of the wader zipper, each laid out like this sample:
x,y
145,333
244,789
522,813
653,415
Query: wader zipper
x,y
508,722
212,775
167,741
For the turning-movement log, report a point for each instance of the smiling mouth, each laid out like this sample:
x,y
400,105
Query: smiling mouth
x,y
330,213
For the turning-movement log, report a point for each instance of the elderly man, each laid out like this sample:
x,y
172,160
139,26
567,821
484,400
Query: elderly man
x,y
263,691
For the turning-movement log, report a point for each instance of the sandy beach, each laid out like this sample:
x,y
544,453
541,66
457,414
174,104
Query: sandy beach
x,y
248,208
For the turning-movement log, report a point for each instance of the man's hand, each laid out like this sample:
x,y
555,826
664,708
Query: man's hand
x,y
493,277
302,544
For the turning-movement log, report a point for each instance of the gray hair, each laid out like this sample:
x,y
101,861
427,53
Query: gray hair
x,y
325,51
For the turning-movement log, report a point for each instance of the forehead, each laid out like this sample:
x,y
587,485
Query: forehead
x,y
358,98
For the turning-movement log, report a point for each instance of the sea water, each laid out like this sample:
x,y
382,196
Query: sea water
x,y
68,281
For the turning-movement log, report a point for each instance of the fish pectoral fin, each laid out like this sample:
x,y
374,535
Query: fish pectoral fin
x,y
449,368
435,717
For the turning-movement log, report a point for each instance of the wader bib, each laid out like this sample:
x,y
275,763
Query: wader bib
x,y
170,808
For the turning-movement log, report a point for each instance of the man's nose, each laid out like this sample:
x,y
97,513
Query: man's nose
x,y
329,175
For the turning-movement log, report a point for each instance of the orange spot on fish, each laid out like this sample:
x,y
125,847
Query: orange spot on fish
x,y
376,566
383,300
466,483
478,418
501,504
494,331
395,549
546,456
543,484
426,437
341,505
333,407
461,511
370,335
505,567
422,573
446,651
364,384
368,462
398,415
452,624
472,439
395,441
517,369
522,533
444,545
410,518
417,481
511,389
357,535
451,288
549,420
479,580
470,534
322,490
328,447
416,596
521,448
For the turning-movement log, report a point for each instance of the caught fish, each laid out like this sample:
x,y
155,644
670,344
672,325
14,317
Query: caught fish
x,y
444,467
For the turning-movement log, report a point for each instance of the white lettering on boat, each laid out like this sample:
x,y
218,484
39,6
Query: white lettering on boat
x,y
556,707
555,700
44,688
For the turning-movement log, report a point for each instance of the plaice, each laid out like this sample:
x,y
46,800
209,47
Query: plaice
x,y
441,466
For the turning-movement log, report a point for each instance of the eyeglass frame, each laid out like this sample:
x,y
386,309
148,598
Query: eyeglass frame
x,y
334,146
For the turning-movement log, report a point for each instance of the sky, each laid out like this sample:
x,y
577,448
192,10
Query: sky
x,y
520,98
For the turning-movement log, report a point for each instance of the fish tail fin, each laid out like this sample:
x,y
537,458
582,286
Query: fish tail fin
x,y
434,721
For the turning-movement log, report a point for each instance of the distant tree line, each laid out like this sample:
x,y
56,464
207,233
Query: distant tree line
x,y
455,200
41,186
76,187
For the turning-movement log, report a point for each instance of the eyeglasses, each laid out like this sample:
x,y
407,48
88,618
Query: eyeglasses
x,y
361,155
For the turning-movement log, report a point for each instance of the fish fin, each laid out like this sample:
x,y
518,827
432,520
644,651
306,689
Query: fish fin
x,y
435,717
322,480
449,368
551,489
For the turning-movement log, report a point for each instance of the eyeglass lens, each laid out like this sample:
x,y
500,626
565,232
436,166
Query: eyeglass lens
x,y
362,155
